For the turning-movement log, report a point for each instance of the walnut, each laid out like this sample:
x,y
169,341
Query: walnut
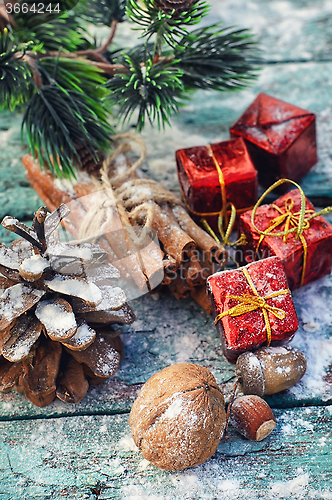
x,y
179,417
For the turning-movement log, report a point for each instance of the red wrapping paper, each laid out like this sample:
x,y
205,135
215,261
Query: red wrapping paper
x,y
318,238
280,137
199,179
248,332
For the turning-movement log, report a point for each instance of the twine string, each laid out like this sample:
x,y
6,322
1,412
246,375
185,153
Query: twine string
x,y
251,302
131,199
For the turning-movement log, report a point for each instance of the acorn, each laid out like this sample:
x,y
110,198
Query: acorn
x,y
270,370
252,417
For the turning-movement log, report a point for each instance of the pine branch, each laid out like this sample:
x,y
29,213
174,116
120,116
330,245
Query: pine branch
x,y
58,119
214,58
153,89
15,75
50,32
168,26
104,11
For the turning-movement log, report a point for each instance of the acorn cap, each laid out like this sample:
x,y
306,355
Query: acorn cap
x,y
250,373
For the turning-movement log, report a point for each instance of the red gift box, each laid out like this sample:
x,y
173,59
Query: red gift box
x,y
253,307
306,258
211,176
280,137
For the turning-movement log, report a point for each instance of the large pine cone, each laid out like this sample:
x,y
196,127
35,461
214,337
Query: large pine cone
x,y
177,5
57,307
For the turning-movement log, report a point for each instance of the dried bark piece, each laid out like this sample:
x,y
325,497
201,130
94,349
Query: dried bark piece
x,y
22,230
58,318
123,316
23,335
82,339
33,268
9,374
40,372
76,287
179,417
72,385
100,357
15,301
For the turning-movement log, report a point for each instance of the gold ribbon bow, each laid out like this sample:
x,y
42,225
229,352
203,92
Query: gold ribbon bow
x,y
294,222
249,303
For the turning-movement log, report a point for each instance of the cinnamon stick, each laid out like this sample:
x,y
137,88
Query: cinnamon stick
x,y
214,252
199,294
149,257
175,242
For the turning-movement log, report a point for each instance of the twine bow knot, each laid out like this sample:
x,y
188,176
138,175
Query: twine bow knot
x,y
249,303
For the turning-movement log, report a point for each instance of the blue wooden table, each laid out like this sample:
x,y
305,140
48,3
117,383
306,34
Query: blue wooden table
x,y
86,451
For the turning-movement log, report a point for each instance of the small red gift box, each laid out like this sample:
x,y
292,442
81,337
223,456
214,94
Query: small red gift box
x,y
280,137
253,307
211,176
306,258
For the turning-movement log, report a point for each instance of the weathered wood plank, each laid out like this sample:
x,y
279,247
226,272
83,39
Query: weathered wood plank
x,y
169,331
287,30
72,457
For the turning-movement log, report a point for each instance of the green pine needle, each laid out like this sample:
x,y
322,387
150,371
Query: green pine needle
x,y
15,75
152,89
104,11
56,120
167,26
214,58
64,32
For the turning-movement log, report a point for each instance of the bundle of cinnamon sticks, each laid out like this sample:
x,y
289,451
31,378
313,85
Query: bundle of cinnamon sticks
x,y
180,260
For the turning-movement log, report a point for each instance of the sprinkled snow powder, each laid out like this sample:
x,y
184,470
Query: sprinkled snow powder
x,y
174,409
8,258
288,489
14,295
34,265
83,335
22,351
54,317
79,251
127,444
78,288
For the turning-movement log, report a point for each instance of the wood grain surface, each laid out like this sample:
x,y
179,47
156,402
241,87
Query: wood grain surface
x,y
85,451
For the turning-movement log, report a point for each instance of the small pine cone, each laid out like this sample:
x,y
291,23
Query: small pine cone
x,y
177,5
87,163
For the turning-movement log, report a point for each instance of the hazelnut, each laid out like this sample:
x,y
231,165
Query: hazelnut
x,y
179,417
252,417
270,369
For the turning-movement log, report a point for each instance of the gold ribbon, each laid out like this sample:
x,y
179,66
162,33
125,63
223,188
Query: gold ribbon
x,y
227,214
249,303
294,222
